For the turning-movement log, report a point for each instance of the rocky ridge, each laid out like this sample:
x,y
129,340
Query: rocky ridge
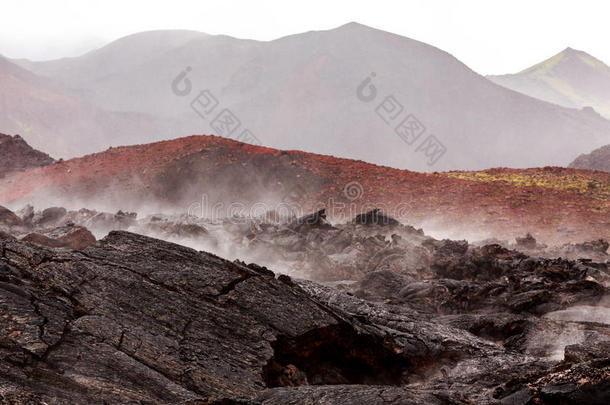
x,y
599,159
17,155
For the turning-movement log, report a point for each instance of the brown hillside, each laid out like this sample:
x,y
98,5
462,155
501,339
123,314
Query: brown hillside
x,y
555,204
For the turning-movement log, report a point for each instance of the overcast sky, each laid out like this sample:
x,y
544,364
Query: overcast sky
x,y
489,36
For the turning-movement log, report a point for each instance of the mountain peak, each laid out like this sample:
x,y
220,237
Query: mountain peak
x,y
587,62
575,52
353,25
572,78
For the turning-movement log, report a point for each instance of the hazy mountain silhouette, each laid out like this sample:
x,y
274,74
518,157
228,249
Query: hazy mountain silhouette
x,y
54,120
571,78
300,92
599,159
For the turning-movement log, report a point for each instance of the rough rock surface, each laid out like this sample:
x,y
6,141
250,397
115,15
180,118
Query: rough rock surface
x,y
17,155
49,227
74,237
596,250
309,247
131,319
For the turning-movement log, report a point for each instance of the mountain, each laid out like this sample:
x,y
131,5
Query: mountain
x,y
121,55
52,119
210,176
312,92
16,155
571,78
599,159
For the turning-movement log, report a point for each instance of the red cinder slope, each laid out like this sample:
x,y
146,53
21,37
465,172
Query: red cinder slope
x,y
555,204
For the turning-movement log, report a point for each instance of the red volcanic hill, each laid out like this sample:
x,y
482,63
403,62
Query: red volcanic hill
x,y
555,204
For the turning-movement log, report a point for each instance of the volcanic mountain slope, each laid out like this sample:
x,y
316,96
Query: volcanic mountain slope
x,y
599,159
204,174
51,119
16,154
310,92
571,78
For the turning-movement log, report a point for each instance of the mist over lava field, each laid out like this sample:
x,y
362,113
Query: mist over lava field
x,y
257,203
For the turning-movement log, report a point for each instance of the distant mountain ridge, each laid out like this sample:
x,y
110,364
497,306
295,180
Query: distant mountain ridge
x,y
304,92
52,118
572,78
599,159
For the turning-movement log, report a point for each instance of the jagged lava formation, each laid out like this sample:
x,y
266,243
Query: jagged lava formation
x,y
131,319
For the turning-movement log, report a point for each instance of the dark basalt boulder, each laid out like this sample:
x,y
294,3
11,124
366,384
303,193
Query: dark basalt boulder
x,y
597,246
50,216
176,230
579,353
527,242
381,284
73,237
582,383
446,249
317,220
375,217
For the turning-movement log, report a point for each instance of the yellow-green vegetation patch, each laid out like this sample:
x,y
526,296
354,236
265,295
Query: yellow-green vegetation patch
x,y
576,183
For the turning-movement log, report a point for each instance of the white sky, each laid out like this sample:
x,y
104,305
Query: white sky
x,y
489,36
